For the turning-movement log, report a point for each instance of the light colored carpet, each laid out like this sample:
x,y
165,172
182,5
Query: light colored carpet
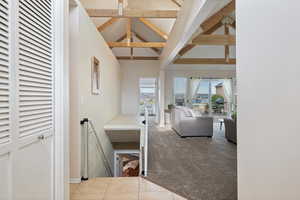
x,y
196,168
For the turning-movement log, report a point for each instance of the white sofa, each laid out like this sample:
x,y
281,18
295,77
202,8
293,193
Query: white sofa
x,y
186,124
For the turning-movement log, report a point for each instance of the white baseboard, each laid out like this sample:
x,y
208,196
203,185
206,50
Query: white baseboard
x,y
75,180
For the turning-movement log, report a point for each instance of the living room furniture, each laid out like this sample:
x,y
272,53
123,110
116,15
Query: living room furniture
x,y
186,124
230,130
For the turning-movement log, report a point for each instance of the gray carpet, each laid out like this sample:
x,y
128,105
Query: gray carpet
x,y
196,168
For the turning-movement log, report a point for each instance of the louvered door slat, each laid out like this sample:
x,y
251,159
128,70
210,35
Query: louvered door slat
x,y
33,80
36,129
3,67
29,31
36,16
37,10
3,117
35,103
26,23
3,15
46,5
38,85
34,113
4,73
35,68
4,122
35,26
3,36
37,90
4,10
34,54
34,74
3,56
33,99
32,62
37,54
38,116
37,48
4,111
25,36
40,7
4,87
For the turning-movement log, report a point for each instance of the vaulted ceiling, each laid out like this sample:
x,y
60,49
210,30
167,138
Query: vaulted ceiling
x,y
153,32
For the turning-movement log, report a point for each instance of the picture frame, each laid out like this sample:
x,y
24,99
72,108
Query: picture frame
x,y
95,76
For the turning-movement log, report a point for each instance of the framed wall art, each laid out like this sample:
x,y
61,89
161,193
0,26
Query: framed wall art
x,y
95,76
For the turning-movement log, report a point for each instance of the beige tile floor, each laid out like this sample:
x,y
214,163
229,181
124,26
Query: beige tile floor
x,y
133,188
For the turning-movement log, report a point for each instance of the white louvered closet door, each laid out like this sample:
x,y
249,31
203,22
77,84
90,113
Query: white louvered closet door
x,y
26,100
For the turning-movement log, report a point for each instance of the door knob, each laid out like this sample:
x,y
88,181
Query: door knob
x,y
41,137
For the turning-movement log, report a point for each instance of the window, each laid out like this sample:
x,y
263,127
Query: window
x,y
180,86
148,96
204,96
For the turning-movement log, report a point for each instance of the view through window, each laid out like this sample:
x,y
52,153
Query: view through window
x,y
180,86
204,96
148,96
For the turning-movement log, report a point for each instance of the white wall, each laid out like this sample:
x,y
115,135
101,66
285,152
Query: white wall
x,y
268,69
86,42
132,71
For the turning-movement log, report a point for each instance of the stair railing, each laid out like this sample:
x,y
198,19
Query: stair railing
x,y
144,147
89,128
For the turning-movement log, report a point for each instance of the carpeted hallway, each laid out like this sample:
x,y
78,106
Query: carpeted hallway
x,y
196,168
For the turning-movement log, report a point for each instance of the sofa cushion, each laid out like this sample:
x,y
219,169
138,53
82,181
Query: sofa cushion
x,y
183,110
190,113
187,112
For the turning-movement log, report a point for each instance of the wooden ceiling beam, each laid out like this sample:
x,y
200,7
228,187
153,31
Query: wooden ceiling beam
x,y
128,30
137,58
211,24
137,44
186,49
129,37
132,13
107,24
154,28
177,3
227,50
233,25
123,37
189,47
204,61
211,30
214,40
144,40
218,16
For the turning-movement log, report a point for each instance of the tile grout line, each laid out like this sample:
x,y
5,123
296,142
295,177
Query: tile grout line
x,y
139,190
106,190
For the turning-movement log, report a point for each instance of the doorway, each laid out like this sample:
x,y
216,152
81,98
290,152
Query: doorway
x,y
148,96
126,163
